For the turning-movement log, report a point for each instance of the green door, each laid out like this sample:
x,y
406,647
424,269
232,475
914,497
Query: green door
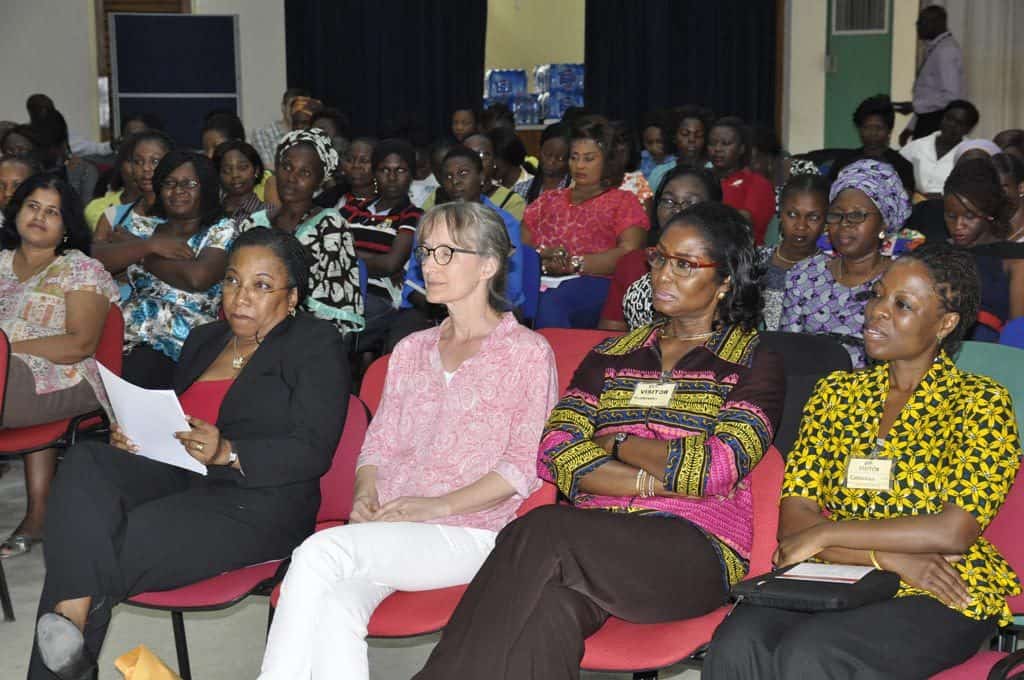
x,y
859,63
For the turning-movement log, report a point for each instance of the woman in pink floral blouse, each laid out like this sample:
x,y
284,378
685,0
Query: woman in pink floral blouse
x,y
449,456
53,303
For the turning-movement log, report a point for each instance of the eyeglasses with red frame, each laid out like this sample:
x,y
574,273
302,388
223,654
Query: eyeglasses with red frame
x,y
681,266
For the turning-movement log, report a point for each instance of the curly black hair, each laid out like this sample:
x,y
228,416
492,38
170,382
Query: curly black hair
x,y
77,235
609,139
879,105
955,276
730,244
287,248
976,181
397,147
210,211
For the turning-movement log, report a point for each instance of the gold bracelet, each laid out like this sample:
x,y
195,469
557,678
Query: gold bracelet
x,y
639,482
874,560
651,479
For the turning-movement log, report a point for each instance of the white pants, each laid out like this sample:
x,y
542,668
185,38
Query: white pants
x,y
338,577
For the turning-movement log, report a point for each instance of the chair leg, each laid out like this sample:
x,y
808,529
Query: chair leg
x,y
181,645
5,597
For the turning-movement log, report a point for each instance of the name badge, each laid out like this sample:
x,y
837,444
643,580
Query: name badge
x,y
648,394
871,474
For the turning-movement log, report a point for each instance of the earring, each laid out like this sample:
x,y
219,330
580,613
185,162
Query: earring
x,y
291,311
881,236
376,187
721,296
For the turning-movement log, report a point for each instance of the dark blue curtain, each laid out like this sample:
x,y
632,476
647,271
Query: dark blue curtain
x,y
391,65
655,54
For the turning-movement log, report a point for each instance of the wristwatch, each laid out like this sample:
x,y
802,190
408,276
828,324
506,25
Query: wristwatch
x,y
620,437
577,263
232,457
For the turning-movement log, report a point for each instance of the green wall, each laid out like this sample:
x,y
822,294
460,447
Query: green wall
x,y
861,67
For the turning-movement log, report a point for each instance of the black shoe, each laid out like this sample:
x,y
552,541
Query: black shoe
x,y
62,648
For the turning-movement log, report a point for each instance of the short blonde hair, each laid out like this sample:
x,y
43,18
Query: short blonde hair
x,y
474,226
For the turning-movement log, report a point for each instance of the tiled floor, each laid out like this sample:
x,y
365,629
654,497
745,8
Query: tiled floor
x,y
225,645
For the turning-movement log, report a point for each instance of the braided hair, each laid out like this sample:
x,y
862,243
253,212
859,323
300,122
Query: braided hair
x,y
975,180
955,275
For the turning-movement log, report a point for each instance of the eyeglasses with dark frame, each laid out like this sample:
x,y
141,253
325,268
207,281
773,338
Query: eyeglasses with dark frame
x,y
442,254
682,266
853,217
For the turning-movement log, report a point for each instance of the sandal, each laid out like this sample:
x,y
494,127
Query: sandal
x,y
17,544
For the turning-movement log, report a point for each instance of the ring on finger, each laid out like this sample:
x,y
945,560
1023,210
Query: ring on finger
x,y
200,446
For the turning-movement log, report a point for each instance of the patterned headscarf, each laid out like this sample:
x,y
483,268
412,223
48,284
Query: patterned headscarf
x,y
882,185
316,138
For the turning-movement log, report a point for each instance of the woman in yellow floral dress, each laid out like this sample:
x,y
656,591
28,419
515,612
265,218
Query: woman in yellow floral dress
x,y
946,450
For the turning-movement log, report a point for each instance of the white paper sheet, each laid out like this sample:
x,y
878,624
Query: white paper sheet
x,y
831,573
555,281
150,418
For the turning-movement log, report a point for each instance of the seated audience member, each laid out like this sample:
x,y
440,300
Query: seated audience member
x,y
497,115
219,128
462,174
509,157
439,474
953,438
55,149
54,300
304,159
14,170
357,183
145,150
335,125
826,295
977,213
628,159
628,304
742,188
266,138
304,111
803,203
501,196
382,232
691,131
21,141
553,169
424,181
1011,142
874,119
122,189
464,124
674,493
174,265
974,148
658,148
240,169
767,158
265,394
1011,177
583,230
932,155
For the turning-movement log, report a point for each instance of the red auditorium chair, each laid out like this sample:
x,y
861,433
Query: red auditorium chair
x,y
60,434
229,588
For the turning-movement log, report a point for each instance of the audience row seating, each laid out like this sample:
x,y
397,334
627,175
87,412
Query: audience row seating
x,y
1013,333
59,434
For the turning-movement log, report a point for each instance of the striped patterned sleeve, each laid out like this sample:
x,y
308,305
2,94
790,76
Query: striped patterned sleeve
x,y
705,465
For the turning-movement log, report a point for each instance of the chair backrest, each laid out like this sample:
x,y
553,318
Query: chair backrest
x,y
545,495
806,359
1004,534
336,486
766,484
1013,333
5,360
364,277
999,362
570,346
372,386
773,232
110,350
531,281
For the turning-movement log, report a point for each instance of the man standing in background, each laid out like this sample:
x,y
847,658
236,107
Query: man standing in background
x,y
940,77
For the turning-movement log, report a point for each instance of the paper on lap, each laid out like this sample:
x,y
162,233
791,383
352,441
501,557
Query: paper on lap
x,y
831,573
555,281
150,418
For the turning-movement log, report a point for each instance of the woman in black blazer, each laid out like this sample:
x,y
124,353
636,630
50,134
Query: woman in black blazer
x,y
266,391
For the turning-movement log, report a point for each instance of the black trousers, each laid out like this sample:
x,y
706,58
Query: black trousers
x,y
554,577
902,638
927,123
120,524
146,367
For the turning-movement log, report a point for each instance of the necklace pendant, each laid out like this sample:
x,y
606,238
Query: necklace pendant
x,y
237,362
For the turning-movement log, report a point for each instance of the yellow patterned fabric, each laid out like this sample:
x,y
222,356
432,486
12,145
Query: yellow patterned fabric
x,y
955,442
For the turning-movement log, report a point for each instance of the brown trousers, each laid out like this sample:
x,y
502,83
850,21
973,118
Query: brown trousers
x,y
23,407
553,579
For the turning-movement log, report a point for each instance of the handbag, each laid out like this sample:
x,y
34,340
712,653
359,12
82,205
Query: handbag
x,y
776,590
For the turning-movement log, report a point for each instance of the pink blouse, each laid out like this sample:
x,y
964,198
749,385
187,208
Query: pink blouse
x,y
592,226
430,437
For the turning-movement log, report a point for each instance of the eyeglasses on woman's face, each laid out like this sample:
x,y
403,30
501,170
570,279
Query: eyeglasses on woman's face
x,y
680,266
442,254
188,185
232,285
854,217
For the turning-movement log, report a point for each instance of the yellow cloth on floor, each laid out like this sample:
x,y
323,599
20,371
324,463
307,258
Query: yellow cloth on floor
x,y
142,664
